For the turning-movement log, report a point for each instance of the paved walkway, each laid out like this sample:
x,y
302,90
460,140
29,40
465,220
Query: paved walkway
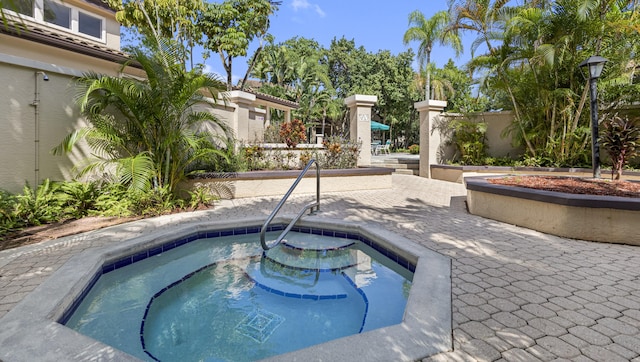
x,y
518,295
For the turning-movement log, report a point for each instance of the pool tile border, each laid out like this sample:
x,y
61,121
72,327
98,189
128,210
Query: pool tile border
x,y
139,256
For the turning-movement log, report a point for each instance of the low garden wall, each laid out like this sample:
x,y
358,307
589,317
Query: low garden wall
x,y
277,183
586,217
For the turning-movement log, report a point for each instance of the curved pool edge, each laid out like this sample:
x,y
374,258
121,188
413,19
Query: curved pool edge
x,y
30,328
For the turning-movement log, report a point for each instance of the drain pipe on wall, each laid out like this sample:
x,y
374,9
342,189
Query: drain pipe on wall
x,y
36,106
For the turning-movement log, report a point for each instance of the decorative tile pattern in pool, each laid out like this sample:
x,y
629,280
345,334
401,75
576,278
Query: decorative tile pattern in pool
x,y
259,325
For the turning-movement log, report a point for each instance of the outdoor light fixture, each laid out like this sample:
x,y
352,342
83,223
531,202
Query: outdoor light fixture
x,y
45,77
595,64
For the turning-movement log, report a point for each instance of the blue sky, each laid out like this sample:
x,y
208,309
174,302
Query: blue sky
x,y
376,25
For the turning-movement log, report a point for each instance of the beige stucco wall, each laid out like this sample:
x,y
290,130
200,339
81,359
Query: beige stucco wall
x,y
243,119
497,122
36,114
20,62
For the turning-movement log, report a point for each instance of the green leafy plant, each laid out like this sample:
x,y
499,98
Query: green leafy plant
x,y
154,202
78,198
7,217
414,149
621,138
470,140
272,134
114,199
201,197
293,132
38,206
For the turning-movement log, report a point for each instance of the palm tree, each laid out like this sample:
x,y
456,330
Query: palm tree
x,y
427,32
148,128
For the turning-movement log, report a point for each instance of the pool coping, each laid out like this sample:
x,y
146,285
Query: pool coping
x,y
30,328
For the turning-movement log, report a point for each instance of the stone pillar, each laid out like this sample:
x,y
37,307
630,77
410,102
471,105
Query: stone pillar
x,y
360,124
430,139
243,103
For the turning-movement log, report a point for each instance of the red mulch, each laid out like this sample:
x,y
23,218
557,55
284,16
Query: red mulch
x,y
573,185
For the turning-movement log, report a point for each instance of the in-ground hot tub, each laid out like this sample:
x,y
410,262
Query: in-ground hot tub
x,y
32,328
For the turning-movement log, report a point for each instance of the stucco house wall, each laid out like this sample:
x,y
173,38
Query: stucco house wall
x,y
36,114
497,122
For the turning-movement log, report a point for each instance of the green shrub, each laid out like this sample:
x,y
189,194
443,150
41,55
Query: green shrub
x,y
7,217
113,200
39,206
201,197
154,202
78,198
470,140
414,149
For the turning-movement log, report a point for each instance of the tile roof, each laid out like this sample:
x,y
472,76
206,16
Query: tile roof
x,y
45,35
273,99
100,3
269,98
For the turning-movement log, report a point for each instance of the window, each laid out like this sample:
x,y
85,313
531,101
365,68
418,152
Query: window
x,y
24,7
89,25
58,14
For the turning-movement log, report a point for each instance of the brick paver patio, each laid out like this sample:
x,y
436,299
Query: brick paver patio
x,y
518,295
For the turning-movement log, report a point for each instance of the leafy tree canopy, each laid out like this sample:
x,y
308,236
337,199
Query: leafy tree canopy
x,y
231,25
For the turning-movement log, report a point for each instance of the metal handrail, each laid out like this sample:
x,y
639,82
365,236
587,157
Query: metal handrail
x,y
315,204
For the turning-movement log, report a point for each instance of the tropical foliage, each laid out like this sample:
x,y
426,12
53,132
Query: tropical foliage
x,y
427,32
52,202
231,25
339,153
149,20
148,130
319,80
527,59
469,138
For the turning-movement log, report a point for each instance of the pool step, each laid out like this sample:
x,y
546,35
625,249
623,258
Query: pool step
x,y
297,283
294,257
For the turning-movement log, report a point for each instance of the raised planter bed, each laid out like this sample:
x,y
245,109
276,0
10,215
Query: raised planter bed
x,y
276,183
597,218
457,174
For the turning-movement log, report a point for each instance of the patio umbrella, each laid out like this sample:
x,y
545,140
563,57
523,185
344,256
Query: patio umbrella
x,y
376,126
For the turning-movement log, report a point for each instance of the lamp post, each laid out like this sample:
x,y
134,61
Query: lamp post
x,y
595,64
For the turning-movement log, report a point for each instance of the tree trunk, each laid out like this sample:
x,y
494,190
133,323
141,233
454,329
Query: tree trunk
x,y
427,93
227,69
251,65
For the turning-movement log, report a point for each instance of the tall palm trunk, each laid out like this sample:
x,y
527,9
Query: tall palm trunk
x,y
427,93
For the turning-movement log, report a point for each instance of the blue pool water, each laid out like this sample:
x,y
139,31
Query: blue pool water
x,y
224,299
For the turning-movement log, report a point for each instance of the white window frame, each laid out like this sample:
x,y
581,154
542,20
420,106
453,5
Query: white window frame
x,y
38,16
